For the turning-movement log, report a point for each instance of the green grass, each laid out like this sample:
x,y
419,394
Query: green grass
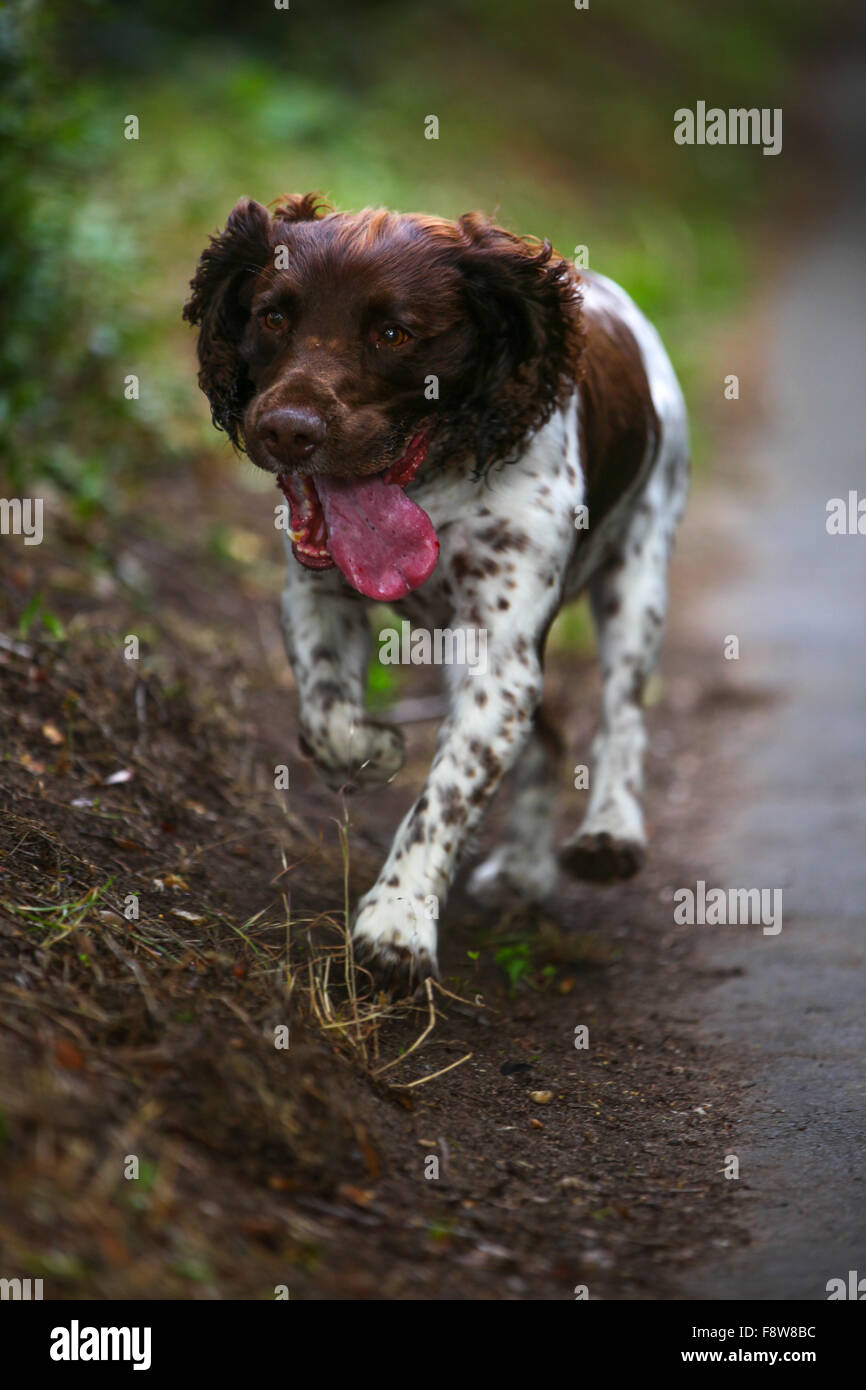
x,y
59,919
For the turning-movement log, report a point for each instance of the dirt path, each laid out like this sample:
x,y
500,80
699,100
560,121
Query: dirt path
x,y
792,1006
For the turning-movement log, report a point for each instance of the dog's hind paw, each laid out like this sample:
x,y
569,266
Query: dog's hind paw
x,y
510,877
602,857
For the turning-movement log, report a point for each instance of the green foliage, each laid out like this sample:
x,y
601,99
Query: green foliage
x,y
559,122
67,260
515,959
382,684
35,611
572,629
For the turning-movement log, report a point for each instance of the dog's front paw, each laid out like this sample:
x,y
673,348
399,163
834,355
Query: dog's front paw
x,y
394,940
351,754
511,877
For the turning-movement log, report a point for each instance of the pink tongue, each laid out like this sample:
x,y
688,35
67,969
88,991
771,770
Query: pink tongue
x,y
383,542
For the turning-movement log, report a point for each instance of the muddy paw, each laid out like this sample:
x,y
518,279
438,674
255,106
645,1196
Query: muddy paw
x,y
397,970
395,942
602,857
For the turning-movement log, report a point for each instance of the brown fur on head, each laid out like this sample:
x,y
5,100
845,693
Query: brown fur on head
x,y
365,328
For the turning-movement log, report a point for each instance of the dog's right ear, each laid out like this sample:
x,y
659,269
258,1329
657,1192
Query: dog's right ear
x,y
217,307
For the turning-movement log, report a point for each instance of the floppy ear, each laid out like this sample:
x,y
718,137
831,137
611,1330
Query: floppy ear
x,y
216,306
524,303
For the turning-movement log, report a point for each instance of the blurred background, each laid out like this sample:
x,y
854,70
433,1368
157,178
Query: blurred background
x,y
556,121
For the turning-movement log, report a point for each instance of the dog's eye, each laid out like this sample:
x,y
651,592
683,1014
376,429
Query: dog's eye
x,y
274,320
392,336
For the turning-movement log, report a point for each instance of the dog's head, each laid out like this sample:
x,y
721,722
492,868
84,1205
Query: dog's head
x,y
340,350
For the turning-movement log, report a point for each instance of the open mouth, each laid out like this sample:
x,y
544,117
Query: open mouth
x,y
381,540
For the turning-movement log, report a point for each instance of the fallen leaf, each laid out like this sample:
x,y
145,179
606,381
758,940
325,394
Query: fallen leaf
x,y
371,1156
359,1196
175,881
260,1227
51,732
68,1056
114,1250
280,1184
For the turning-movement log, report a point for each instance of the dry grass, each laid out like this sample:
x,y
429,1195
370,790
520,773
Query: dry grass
x,y
154,1034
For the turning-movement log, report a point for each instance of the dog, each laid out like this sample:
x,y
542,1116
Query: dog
x,y
466,427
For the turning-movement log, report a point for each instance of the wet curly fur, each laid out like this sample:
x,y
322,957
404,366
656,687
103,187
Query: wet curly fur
x,y
520,360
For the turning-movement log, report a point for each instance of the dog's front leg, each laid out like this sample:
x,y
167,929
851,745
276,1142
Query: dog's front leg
x,y
491,715
327,638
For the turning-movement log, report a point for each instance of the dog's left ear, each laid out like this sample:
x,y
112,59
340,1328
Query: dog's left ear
x,y
526,309
217,305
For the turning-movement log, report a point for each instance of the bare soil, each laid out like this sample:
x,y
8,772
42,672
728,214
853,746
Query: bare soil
x,y
153,1038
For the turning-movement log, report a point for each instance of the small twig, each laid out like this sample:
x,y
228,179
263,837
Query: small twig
x,y
418,1041
472,1003
241,1014
422,1080
132,965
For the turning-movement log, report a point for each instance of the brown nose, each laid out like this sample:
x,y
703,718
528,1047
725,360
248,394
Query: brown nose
x,y
292,432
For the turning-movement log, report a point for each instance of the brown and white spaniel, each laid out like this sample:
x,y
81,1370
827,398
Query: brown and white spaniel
x,y
470,430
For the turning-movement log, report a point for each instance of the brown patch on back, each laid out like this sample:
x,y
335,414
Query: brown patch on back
x,y
617,419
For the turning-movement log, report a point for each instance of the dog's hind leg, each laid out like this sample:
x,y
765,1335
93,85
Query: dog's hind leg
x,y
523,869
628,595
